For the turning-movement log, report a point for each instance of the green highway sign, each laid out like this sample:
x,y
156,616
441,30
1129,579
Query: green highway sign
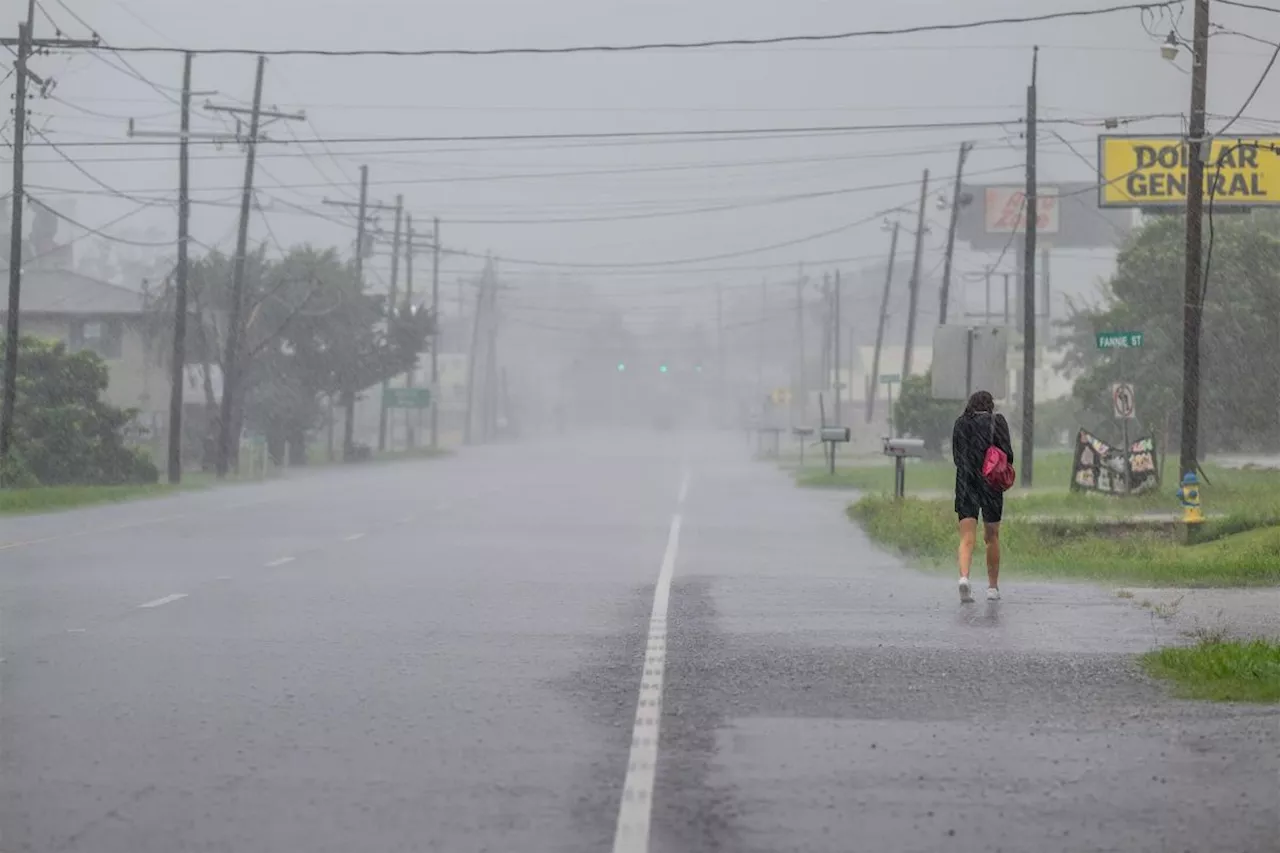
x,y
406,398
1119,340
889,378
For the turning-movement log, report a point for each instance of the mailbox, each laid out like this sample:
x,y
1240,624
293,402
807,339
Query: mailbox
x,y
904,447
835,434
802,431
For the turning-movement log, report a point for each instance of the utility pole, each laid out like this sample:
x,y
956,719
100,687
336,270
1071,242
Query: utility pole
x,y
835,334
915,281
362,207
874,391
1032,216
230,370
720,365
25,42
391,315
801,383
762,336
177,374
349,394
230,374
435,339
411,437
1198,147
956,204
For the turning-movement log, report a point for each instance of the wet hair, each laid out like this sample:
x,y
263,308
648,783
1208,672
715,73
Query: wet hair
x,y
981,401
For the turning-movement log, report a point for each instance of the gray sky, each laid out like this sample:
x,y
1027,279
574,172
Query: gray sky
x,y
1089,68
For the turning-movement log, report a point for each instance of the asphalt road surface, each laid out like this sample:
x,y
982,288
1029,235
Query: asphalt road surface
x,y
646,643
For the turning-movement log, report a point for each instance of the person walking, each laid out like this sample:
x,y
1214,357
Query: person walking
x,y
976,430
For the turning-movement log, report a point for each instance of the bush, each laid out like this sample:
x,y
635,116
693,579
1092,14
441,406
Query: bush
x,y
64,433
917,415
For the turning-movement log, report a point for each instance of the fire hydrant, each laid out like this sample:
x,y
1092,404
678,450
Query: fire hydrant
x,y
1189,494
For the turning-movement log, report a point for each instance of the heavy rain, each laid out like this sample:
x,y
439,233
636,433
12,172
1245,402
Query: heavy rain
x,y
647,427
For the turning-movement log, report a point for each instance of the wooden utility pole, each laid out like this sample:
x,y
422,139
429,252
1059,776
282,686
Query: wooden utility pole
x,y
914,299
391,317
349,393
965,148
1031,216
835,335
435,339
874,391
177,373
800,393
25,42
230,371
1198,148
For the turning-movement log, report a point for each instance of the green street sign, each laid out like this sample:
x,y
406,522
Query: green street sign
x,y
889,378
1119,340
406,398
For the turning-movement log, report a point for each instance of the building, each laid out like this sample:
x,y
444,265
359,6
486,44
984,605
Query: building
x,y
108,319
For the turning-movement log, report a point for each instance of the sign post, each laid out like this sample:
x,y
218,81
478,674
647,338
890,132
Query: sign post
x,y
1123,401
889,379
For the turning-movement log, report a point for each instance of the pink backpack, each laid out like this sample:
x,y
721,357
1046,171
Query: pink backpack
x,y
996,470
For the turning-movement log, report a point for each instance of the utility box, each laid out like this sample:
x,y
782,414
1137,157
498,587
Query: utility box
x,y
968,359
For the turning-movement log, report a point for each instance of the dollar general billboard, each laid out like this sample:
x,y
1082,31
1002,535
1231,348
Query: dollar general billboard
x,y
1151,171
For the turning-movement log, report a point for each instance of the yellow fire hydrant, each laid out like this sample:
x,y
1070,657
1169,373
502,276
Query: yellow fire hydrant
x,y
1189,494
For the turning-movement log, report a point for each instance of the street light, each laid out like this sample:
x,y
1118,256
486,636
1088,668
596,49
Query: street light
x,y
1169,50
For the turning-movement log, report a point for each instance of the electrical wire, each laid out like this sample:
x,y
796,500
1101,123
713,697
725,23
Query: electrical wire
x,y
705,134
96,232
1254,6
151,244
1253,93
1145,7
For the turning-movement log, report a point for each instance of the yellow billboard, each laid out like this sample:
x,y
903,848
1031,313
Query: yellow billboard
x,y
1151,171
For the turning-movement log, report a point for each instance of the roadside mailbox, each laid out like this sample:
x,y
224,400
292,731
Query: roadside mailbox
x,y
902,449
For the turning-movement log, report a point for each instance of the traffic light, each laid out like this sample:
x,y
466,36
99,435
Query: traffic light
x,y
662,368
622,367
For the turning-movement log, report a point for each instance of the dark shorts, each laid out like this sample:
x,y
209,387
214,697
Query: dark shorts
x,y
975,497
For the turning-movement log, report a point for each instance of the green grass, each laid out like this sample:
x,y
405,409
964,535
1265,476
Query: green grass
x,y
927,530
53,498
1053,470
1221,671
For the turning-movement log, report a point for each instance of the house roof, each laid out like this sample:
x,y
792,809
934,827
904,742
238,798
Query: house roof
x,y
67,292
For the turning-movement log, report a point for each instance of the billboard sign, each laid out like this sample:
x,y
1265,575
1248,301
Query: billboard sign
x,y
1005,210
1069,217
1150,172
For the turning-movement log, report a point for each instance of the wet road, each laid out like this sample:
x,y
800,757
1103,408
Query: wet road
x,y
449,656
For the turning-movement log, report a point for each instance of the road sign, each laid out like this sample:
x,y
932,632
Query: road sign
x,y
1120,340
1123,401
781,396
889,378
406,398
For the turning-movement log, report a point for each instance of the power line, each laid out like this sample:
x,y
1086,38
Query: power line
x,y
1254,6
151,244
1249,100
705,133
669,45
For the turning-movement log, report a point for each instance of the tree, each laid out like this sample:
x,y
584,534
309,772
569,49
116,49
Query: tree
x,y
1240,358
63,431
918,415
308,331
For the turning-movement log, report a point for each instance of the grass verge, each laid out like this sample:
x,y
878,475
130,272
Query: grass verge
x,y
1053,470
1221,671
927,530
53,498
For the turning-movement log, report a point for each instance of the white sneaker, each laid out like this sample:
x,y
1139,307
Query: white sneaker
x,y
993,594
966,595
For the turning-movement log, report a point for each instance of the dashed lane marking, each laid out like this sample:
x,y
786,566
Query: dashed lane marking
x,y
168,599
635,813
280,562
353,537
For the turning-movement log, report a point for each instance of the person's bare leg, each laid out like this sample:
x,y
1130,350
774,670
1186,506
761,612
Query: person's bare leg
x,y
968,539
991,536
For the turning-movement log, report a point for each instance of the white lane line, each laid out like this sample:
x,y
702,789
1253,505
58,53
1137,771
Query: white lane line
x,y
168,599
684,489
353,537
280,562
636,810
